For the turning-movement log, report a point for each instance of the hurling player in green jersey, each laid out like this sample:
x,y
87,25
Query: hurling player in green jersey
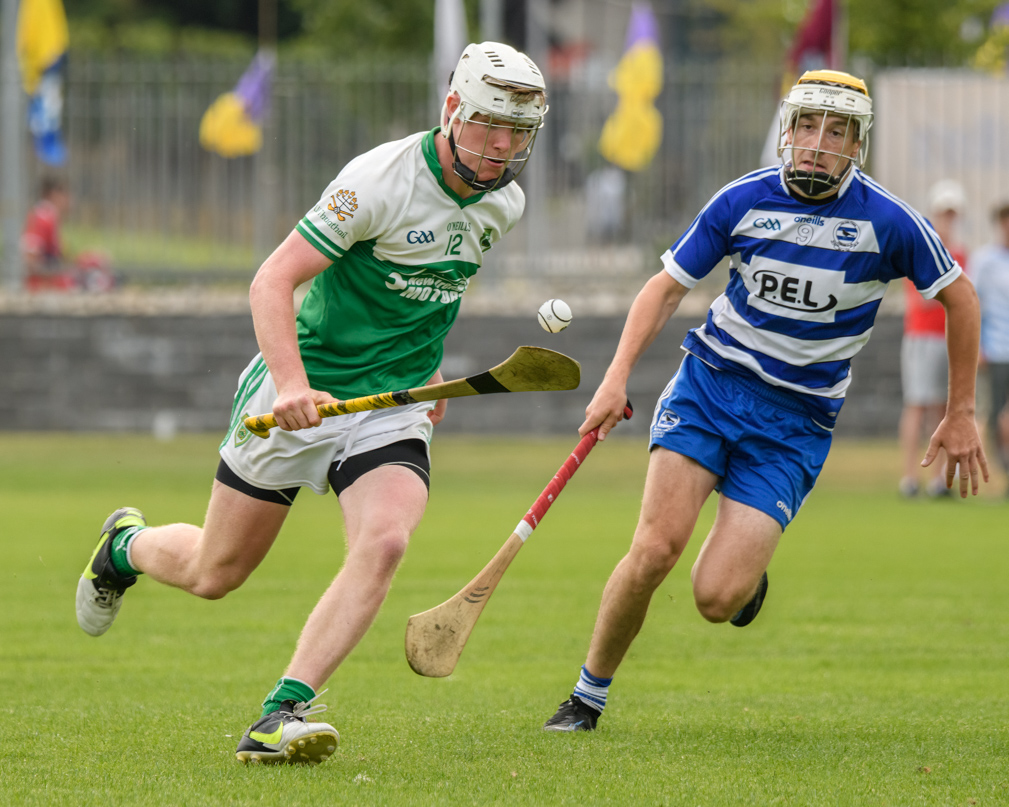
x,y
389,249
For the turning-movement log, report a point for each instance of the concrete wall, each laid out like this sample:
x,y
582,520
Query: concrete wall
x,y
166,373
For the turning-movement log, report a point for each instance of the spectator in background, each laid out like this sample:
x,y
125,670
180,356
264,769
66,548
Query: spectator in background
x,y
990,273
46,265
923,364
605,194
41,244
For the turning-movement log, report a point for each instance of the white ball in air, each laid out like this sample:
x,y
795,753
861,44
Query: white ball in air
x,y
554,316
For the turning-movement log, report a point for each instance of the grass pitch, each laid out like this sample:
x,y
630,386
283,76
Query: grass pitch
x,y
875,675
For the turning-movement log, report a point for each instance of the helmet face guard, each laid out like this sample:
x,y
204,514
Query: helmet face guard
x,y
498,89
829,95
519,134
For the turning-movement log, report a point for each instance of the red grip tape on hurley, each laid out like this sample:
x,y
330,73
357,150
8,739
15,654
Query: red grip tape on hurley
x,y
564,473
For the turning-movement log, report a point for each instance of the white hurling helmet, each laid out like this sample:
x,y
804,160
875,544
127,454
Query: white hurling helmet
x,y
830,92
507,88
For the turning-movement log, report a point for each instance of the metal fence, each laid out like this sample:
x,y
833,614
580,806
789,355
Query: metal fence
x,y
141,181
166,208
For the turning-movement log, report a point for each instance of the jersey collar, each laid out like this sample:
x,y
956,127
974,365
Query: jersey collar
x,y
431,157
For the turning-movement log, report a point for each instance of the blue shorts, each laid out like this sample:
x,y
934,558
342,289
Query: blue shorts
x,y
759,440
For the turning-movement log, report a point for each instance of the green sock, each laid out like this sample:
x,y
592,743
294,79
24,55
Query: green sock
x,y
287,689
120,551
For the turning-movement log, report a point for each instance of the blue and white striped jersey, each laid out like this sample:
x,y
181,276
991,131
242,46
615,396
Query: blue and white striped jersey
x,y
805,279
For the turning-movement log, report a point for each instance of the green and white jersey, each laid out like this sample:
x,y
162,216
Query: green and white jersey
x,y
404,247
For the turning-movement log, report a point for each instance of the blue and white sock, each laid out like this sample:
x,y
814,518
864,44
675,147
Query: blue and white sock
x,y
592,690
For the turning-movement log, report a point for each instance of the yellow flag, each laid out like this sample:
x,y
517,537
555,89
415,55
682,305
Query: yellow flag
x,y
227,129
232,125
639,73
42,38
633,133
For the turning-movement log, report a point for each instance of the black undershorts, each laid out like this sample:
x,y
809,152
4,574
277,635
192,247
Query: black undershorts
x,y
411,454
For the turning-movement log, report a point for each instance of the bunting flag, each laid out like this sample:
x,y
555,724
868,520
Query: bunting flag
x,y
232,125
813,46
632,134
42,40
812,49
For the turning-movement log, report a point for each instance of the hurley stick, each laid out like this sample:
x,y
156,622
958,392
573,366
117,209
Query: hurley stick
x,y
528,369
435,639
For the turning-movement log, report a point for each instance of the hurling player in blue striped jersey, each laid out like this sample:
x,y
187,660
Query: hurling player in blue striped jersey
x,y
812,245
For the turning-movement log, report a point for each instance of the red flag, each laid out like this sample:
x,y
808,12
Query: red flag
x,y
813,47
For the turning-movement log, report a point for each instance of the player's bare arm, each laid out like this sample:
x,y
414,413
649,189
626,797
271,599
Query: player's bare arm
x,y
271,296
655,304
957,433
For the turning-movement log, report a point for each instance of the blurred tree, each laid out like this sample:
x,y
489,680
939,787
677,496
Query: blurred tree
x,y
241,16
345,27
885,31
218,27
330,27
235,16
759,29
889,32
917,31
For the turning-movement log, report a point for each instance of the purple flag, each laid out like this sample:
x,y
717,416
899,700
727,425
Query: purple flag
x,y
254,86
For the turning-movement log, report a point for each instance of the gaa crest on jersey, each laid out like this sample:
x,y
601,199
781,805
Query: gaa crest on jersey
x,y
839,234
420,237
242,434
485,239
767,223
846,235
343,203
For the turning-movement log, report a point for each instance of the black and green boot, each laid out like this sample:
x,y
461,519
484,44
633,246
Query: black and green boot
x,y
100,589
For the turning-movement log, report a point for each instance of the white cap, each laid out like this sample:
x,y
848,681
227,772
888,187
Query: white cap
x,y
946,194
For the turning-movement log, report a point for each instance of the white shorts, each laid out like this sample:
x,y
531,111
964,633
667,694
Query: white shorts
x,y
303,457
924,370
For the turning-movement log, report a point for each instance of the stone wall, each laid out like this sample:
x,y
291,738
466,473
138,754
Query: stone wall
x,y
137,372
872,409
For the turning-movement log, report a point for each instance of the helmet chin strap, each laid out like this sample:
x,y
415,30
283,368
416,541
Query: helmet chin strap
x,y
468,175
815,184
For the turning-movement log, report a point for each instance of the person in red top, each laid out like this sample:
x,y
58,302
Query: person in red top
x,y
41,246
46,264
923,366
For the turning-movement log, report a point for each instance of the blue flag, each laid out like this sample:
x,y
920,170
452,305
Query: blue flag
x,y
45,110
42,41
